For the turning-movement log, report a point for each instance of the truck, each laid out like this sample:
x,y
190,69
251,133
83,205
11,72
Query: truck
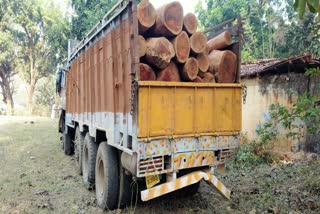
x,y
163,136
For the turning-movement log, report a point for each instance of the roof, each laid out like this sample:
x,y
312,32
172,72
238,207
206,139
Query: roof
x,y
265,66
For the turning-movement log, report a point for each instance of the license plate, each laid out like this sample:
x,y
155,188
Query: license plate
x,y
152,180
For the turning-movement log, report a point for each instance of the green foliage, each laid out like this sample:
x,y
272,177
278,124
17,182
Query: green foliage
x,y
313,5
45,96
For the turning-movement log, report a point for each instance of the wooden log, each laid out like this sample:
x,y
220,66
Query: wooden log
x,y
219,42
169,20
159,52
170,73
203,62
223,66
146,72
142,46
147,16
181,45
190,69
198,42
197,79
190,23
208,77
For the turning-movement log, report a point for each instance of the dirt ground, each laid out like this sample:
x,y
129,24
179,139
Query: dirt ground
x,y
36,177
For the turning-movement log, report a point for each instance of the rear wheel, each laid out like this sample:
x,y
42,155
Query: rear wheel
x,y
127,189
78,144
67,144
107,177
89,154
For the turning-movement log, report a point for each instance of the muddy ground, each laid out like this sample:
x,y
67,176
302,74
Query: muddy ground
x,y
36,177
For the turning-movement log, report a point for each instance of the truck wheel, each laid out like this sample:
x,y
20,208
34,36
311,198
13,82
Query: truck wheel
x,y
89,154
107,177
67,144
78,144
127,190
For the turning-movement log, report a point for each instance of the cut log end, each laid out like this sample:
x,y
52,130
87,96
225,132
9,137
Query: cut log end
x,y
169,20
190,23
219,42
198,42
147,15
197,79
142,46
208,77
146,72
181,44
170,73
203,62
190,69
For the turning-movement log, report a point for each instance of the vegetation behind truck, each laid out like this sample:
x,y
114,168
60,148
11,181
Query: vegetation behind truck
x,y
166,136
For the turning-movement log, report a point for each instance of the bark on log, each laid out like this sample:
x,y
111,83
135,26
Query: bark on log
x,y
169,20
170,73
219,42
190,69
181,44
197,79
223,66
146,72
159,52
198,42
208,77
142,46
190,23
147,16
203,62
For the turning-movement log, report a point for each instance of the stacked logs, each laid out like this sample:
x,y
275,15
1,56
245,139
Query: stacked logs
x,y
171,48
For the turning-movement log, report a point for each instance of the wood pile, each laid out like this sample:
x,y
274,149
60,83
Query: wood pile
x,y
171,48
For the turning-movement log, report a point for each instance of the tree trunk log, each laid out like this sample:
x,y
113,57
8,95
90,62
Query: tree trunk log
x,y
208,77
146,72
170,73
190,70
147,15
197,79
223,66
203,62
198,42
190,23
219,42
142,46
181,44
169,20
159,52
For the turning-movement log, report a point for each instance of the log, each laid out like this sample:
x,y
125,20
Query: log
x,y
170,73
198,42
190,70
169,20
190,23
181,45
142,46
219,42
147,16
203,62
223,64
159,52
208,77
146,72
197,79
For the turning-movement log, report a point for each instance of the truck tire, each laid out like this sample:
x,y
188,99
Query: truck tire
x,y
107,177
127,189
78,144
67,144
89,154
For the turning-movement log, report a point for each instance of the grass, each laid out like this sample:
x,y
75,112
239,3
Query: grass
x,y
36,177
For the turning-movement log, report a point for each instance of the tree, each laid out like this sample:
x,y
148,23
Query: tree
x,y
313,5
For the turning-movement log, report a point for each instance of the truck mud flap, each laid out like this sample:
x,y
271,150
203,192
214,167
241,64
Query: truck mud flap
x,y
184,181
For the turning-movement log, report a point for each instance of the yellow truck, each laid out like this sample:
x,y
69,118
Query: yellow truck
x,y
166,136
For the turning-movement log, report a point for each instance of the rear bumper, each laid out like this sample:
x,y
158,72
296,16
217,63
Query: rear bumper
x,y
184,181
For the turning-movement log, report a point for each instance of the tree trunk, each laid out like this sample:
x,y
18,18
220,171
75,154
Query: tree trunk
x,y
7,91
181,45
190,23
159,52
31,90
147,15
169,20
170,73
223,66
198,42
219,42
203,62
142,46
190,70
146,73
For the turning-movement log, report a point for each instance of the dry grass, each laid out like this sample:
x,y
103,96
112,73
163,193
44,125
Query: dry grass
x,y
36,177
